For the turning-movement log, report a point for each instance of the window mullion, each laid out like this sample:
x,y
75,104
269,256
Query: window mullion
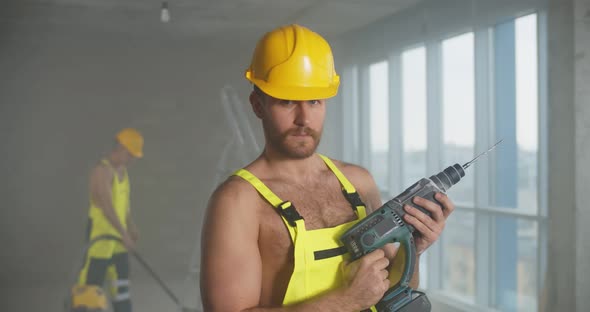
x,y
434,143
365,116
481,169
396,133
350,115
543,188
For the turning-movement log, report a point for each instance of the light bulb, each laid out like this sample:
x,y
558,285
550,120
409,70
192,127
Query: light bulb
x,y
164,13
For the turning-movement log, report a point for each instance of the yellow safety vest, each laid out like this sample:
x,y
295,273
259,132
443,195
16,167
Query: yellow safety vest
x,y
318,253
100,225
120,200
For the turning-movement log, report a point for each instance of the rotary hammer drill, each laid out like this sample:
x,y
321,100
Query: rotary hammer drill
x,y
386,225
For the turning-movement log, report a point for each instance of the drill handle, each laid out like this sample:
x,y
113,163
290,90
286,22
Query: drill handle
x,y
400,294
410,259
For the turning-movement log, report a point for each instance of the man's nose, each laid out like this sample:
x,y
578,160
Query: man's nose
x,y
303,113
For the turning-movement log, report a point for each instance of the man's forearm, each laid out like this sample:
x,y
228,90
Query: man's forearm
x,y
109,213
131,227
336,301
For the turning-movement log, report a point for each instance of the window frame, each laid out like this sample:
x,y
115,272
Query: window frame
x,y
484,213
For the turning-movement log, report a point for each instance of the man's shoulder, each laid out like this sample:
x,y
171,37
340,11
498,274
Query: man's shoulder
x,y
101,170
352,171
363,182
234,190
233,183
360,177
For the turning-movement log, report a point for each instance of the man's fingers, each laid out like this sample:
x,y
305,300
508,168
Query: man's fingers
x,y
390,250
448,205
435,209
382,263
374,255
384,274
386,284
422,217
424,230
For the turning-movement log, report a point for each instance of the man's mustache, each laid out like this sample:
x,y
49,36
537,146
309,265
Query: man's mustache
x,y
302,131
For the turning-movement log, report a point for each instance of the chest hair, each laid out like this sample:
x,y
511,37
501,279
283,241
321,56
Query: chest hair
x,y
320,203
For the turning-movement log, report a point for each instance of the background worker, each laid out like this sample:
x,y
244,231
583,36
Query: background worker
x,y
271,234
109,214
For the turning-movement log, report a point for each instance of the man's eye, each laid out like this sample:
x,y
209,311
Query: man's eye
x,y
286,102
314,101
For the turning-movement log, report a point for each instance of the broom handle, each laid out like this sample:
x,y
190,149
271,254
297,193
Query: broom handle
x,y
142,262
156,277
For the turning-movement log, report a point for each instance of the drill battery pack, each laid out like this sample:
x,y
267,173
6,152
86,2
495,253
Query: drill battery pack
x,y
418,302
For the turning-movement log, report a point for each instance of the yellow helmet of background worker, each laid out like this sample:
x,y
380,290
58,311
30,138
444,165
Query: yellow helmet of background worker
x,y
294,63
132,140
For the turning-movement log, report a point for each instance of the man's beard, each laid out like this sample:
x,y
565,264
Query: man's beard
x,y
283,143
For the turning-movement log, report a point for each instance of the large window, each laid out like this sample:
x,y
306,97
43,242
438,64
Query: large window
x,y
414,115
458,109
414,119
527,116
527,138
379,122
515,237
442,102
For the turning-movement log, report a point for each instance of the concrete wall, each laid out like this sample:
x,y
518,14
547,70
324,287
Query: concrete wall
x,y
568,284
561,262
64,92
582,143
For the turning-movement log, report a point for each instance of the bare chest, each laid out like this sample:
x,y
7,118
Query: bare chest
x,y
320,205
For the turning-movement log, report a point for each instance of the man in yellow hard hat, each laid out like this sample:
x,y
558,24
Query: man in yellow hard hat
x,y
109,217
271,234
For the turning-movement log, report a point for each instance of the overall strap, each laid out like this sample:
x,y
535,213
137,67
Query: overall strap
x,y
287,211
115,173
348,189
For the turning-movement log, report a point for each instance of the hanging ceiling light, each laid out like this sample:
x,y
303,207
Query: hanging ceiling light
x,y
164,13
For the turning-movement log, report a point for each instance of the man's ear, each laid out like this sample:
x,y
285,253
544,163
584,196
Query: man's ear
x,y
256,102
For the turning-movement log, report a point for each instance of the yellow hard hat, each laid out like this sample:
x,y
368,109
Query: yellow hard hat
x,y
132,140
294,63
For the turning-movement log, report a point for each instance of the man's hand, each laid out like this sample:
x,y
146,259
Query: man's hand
x,y
429,228
128,242
133,234
367,278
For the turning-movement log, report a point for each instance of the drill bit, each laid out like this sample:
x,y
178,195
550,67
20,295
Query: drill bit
x,y
467,164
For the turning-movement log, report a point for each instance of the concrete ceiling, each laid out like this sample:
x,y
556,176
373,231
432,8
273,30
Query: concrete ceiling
x,y
228,18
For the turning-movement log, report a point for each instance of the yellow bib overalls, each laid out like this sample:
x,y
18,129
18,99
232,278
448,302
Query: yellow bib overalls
x,y
108,259
100,225
318,253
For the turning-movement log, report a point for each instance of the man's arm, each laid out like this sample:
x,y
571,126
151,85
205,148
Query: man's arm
x,y
132,228
231,266
101,183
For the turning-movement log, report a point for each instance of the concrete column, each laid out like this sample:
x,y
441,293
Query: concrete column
x,y
559,292
582,145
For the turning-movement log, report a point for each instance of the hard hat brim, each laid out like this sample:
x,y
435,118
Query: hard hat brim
x,y
296,93
137,154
